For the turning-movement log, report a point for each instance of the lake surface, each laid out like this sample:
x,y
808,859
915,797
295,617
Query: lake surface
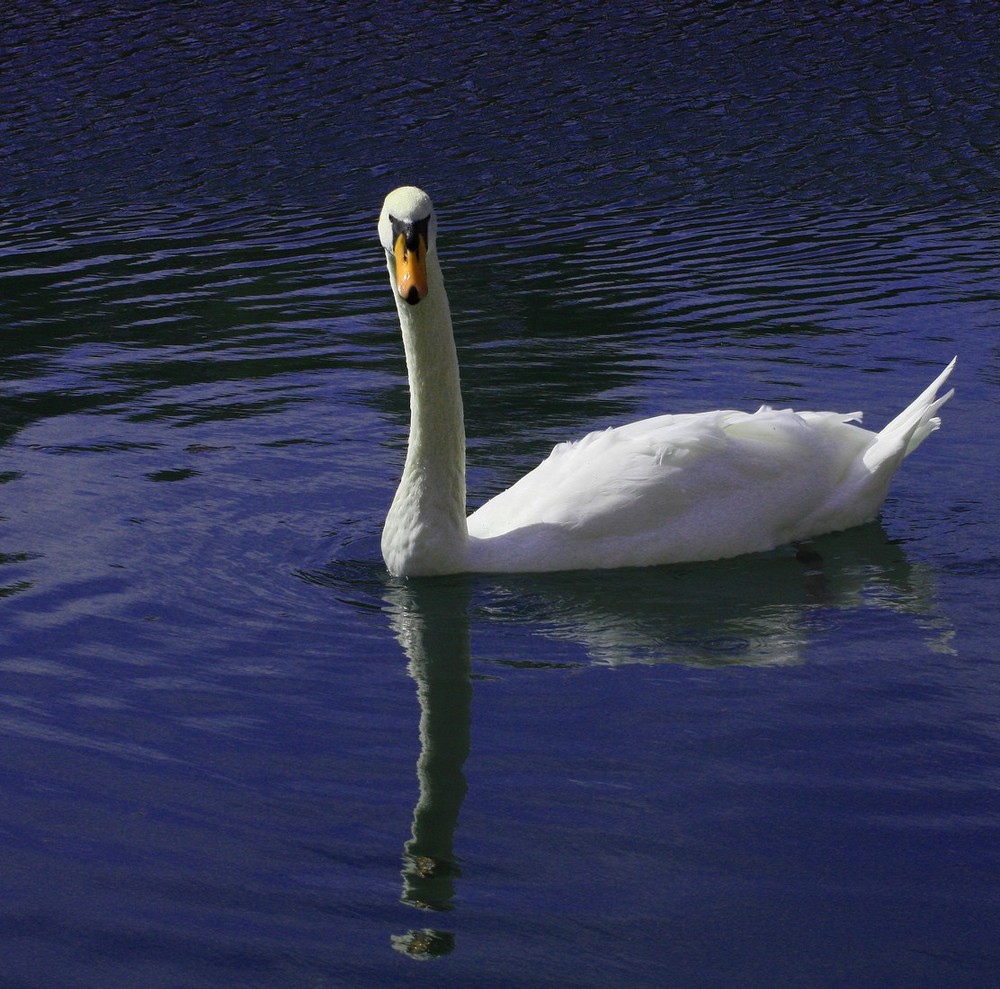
x,y
235,752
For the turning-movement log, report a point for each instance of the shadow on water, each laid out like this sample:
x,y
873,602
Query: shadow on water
x,y
757,610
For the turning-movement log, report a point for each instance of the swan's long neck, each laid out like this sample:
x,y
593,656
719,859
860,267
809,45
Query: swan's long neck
x,y
425,531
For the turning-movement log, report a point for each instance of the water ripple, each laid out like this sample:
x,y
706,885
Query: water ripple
x,y
701,105
204,697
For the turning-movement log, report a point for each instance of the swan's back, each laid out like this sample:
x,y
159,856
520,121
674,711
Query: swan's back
x,y
681,488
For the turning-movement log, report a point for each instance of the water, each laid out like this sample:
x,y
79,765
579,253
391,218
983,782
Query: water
x,y
236,753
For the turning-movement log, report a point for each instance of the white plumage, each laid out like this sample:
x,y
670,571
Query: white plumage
x,y
670,489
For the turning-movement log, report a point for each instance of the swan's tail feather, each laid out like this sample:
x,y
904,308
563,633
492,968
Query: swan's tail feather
x,y
912,426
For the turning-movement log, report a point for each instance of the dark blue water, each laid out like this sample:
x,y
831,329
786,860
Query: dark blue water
x,y
235,752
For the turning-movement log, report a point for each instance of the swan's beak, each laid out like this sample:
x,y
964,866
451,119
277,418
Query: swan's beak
x,y
410,249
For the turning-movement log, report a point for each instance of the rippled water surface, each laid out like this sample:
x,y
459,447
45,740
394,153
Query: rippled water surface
x,y
235,751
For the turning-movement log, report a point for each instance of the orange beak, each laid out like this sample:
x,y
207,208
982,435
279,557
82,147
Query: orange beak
x,y
411,267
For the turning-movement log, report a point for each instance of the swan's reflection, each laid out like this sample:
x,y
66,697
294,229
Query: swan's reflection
x,y
758,610
763,609
431,621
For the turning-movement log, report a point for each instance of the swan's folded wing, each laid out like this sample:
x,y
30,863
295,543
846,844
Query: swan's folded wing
x,y
683,480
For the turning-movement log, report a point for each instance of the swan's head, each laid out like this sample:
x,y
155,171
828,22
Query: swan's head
x,y
407,228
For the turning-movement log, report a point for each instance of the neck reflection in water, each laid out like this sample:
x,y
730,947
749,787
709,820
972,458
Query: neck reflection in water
x,y
431,621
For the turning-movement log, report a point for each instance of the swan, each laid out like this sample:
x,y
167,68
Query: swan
x,y
671,489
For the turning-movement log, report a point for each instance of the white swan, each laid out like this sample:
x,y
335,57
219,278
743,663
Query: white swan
x,y
671,489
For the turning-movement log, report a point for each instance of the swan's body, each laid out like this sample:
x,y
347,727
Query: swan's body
x,y
671,489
